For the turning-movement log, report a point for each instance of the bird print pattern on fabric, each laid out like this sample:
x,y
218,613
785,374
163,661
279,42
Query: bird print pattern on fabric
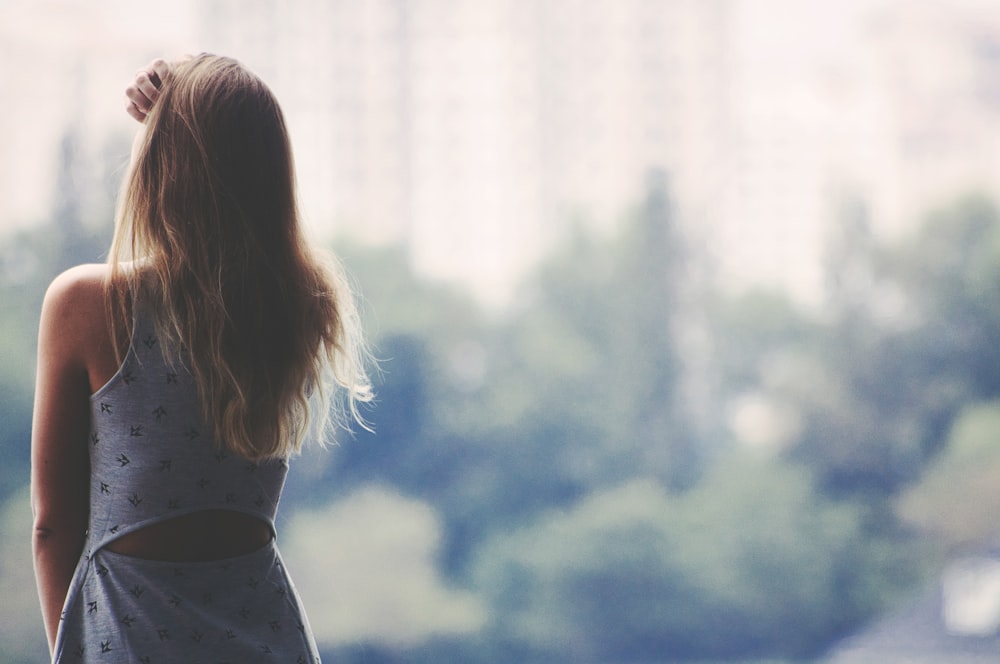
x,y
153,458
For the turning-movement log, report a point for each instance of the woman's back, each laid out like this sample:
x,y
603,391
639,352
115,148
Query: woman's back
x,y
159,477
175,382
121,393
174,519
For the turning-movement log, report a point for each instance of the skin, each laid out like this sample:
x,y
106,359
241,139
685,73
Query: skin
x,y
144,90
74,349
76,357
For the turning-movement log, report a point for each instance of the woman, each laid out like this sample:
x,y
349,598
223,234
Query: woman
x,y
174,383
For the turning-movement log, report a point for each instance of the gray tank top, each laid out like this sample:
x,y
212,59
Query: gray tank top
x,y
152,455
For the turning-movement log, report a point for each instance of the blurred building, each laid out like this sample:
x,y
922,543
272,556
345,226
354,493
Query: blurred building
x,y
940,70
477,131
64,65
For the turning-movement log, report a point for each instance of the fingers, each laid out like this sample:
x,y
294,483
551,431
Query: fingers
x,y
158,70
134,111
142,94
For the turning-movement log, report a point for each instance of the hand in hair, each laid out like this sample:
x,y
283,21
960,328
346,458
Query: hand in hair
x,y
145,89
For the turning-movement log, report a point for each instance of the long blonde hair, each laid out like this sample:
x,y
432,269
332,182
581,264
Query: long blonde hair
x,y
207,229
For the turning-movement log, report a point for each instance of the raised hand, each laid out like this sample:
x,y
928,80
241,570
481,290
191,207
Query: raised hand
x,y
142,94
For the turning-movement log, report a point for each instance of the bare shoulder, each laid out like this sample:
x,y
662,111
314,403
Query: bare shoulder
x,y
73,311
78,283
74,335
77,292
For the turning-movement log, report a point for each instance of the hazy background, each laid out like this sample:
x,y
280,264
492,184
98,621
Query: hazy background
x,y
688,313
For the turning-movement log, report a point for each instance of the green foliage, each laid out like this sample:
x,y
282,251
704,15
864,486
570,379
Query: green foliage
x,y
574,389
958,497
577,493
596,351
544,415
752,332
897,368
950,274
29,260
749,562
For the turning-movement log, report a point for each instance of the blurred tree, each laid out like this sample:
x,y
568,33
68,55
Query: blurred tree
x,y
897,364
752,331
643,317
958,497
29,260
594,352
493,421
748,564
949,274
542,414
429,341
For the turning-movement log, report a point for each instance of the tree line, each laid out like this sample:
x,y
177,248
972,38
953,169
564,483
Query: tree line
x,y
596,501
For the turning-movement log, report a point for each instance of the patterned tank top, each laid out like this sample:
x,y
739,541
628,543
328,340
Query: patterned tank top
x,y
152,455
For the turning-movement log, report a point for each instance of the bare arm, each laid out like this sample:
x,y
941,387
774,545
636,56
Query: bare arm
x,y
60,466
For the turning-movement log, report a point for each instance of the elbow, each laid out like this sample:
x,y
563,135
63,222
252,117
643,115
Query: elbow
x,y
54,533
42,536
41,533
57,523
50,544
